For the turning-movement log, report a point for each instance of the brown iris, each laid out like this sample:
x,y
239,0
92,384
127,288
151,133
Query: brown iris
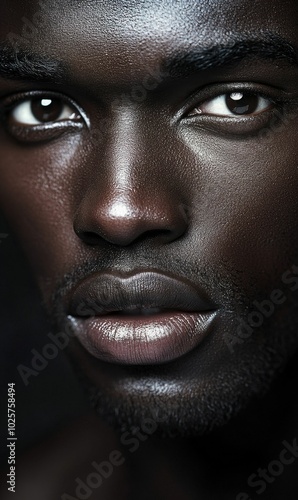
x,y
242,104
46,110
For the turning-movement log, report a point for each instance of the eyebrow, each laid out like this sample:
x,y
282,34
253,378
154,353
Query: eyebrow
x,y
272,47
20,64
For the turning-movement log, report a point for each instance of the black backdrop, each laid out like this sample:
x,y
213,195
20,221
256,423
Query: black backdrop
x,y
51,398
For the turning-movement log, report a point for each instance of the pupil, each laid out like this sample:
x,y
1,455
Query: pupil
x,y
242,104
46,110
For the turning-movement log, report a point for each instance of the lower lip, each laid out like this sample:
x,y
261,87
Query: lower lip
x,y
142,340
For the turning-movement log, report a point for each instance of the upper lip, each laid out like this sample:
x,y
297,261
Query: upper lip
x,y
106,292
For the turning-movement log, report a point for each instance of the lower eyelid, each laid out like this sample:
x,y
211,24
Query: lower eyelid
x,y
243,127
25,129
42,133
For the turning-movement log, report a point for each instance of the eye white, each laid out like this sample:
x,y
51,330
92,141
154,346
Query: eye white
x,y
218,106
22,113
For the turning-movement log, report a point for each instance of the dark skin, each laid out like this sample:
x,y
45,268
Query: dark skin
x,y
173,181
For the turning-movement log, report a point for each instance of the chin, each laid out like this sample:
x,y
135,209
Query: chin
x,y
154,401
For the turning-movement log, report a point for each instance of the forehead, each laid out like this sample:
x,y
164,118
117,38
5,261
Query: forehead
x,y
125,37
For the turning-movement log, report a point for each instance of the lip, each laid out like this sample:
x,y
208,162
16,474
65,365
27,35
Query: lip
x,y
145,317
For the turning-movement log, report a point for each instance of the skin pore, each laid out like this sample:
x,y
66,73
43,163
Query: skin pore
x,y
143,164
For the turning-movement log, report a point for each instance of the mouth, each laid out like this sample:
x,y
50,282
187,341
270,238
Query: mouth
x,y
139,318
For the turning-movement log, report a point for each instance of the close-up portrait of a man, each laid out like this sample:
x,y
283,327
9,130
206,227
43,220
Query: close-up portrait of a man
x,y
149,195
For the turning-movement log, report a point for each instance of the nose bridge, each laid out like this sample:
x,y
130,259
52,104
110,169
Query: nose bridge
x,y
124,146
129,197
128,166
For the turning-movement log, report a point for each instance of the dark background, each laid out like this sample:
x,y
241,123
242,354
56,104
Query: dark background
x,y
51,399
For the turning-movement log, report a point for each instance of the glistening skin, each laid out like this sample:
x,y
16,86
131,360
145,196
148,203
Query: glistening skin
x,y
101,221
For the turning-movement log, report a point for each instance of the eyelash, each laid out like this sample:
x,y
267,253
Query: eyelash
x,y
37,132
233,97
238,124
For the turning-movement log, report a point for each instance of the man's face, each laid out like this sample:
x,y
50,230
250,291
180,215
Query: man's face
x,y
149,166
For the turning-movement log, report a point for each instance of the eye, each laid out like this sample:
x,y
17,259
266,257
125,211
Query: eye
x,y
42,110
233,104
39,116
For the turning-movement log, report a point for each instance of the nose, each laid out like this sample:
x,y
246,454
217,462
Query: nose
x,y
130,194
123,218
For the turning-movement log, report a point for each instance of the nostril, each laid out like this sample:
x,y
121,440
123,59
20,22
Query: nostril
x,y
96,224
152,234
89,237
92,238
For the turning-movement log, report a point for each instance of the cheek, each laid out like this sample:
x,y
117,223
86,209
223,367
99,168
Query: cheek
x,y
37,194
246,206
